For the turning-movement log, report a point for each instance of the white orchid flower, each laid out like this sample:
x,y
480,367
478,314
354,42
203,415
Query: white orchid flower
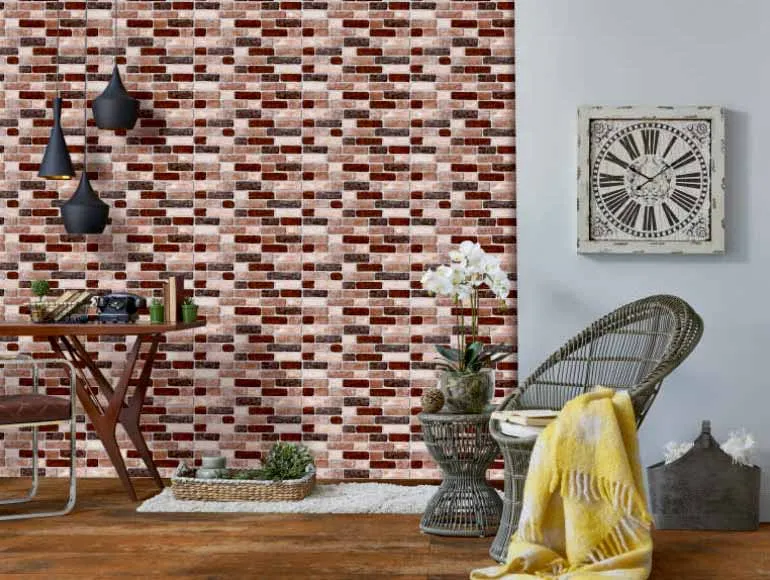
x,y
437,282
462,292
469,269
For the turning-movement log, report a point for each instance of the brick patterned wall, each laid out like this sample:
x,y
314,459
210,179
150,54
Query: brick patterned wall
x,y
304,162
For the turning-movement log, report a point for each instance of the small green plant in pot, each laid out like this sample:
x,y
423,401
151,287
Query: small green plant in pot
x,y
157,312
38,310
189,311
466,373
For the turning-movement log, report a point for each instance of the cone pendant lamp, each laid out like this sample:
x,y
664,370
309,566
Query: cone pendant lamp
x,y
84,212
56,162
115,108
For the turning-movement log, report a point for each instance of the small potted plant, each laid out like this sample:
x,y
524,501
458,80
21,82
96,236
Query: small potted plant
x,y
466,373
157,312
38,310
189,311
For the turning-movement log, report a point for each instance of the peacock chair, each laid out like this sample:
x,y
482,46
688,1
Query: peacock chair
x,y
633,348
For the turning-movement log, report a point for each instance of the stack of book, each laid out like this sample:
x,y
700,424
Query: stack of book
x,y
173,297
524,422
69,303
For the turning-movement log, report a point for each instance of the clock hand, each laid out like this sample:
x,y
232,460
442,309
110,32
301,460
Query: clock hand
x,y
666,168
632,168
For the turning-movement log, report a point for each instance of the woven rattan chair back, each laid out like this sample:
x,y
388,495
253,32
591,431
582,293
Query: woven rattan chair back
x,y
633,348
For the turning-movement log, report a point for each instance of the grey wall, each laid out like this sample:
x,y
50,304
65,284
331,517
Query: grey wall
x,y
678,52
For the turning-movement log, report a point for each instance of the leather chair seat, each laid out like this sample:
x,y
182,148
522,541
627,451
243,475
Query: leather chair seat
x,y
16,409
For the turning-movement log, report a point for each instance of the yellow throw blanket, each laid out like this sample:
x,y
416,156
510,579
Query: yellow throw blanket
x,y
584,514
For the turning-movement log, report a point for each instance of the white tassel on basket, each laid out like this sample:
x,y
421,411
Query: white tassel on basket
x,y
740,445
673,450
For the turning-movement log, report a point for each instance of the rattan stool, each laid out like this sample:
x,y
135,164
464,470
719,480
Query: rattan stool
x,y
464,505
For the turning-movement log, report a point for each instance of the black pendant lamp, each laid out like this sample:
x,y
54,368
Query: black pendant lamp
x,y
56,162
84,212
115,108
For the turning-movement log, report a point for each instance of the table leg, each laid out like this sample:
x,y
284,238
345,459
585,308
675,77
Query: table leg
x,y
118,411
130,415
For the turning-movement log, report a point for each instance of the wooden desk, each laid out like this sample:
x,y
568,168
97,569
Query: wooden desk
x,y
66,344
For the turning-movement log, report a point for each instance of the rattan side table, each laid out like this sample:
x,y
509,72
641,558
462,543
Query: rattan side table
x,y
464,505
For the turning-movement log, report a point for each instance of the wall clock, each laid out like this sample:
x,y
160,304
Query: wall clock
x,y
651,180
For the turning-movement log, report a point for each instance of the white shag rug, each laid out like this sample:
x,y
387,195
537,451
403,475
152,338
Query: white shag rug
x,y
340,498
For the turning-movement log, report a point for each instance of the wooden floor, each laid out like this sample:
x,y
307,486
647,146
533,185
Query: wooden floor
x,y
105,538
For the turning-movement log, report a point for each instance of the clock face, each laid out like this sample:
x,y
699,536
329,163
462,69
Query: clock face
x,y
649,179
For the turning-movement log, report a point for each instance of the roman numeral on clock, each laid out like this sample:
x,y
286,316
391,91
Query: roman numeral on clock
x,y
649,224
607,180
650,140
630,213
612,158
614,200
669,146
684,200
685,159
629,144
670,215
692,180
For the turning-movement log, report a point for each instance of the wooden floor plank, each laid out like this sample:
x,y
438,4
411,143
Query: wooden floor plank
x,y
105,538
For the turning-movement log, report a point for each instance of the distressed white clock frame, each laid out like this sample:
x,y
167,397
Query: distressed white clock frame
x,y
716,245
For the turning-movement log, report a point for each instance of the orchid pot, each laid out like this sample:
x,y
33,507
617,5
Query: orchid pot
x,y
467,392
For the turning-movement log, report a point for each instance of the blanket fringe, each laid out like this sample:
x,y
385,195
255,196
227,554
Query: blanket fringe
x,y
583,487
625,534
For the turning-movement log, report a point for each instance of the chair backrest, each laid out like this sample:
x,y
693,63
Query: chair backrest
x,y
634,347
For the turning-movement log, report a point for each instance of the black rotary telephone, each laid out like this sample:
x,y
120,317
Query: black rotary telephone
x,y
119,307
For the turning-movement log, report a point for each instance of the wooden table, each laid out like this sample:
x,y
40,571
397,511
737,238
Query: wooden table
x,y
119,409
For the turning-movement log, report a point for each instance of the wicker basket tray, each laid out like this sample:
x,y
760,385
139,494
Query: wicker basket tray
x,y
190,488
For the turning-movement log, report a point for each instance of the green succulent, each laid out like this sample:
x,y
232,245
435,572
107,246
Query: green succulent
x,y
286,461
188,302
476,357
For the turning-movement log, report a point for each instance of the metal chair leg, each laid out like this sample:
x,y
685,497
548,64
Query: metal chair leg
x,y
33,489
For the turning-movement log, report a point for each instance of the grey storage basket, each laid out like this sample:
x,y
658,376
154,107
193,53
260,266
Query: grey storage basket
x,y
705,489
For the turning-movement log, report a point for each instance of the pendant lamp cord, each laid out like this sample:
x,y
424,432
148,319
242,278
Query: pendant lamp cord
x,y
58,33
85,99
115,27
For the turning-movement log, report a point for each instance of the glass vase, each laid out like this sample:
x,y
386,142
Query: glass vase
x,y
467,392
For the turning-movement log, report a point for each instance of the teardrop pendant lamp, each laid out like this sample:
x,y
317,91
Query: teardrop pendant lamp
x,y
56,163
84,212
115,108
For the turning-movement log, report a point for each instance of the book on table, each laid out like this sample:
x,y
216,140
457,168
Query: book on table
x,y
173,297
515,430
531,417
68,303
524,422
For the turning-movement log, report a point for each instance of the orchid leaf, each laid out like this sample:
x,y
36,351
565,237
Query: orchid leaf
x,y
451,354
472,353
495,353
